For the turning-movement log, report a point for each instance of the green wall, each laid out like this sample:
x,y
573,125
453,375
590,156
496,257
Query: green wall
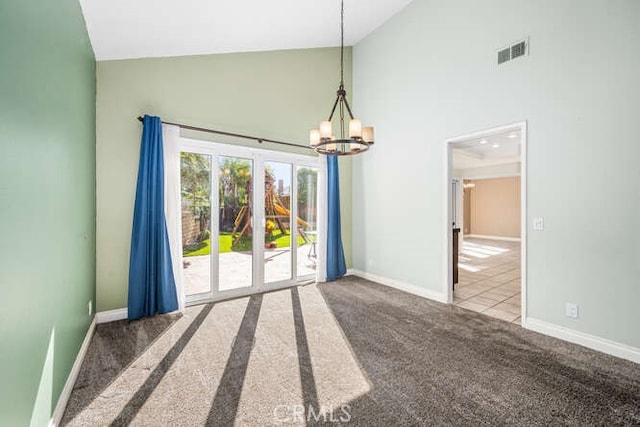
x,y
278,95
430,74
47,202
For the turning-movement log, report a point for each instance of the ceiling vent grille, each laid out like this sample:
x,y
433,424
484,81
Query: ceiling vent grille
x,y
518,49
513,51
504,55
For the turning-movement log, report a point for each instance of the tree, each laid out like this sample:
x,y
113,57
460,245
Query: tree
x,y
235,182
195,185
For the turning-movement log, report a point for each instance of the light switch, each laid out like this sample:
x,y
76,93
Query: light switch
x,y
538,224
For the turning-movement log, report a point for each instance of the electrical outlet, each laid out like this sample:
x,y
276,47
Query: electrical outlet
x,y
571,310
90,307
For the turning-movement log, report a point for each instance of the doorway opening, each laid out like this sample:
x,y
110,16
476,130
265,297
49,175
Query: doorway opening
x,y
486,222
249,220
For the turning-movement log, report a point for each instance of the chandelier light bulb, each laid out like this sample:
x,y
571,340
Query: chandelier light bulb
x,y
355,128
325,129
367,134
314,137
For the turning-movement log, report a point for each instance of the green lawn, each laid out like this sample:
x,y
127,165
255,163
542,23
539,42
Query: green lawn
x,y
204,247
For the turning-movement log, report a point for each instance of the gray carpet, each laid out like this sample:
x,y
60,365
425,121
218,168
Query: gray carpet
x,y
390,357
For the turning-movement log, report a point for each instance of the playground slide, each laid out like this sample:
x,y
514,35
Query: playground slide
x,y
280,210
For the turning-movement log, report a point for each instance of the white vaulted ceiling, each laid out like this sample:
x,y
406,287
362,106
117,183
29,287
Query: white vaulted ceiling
x,y
151,28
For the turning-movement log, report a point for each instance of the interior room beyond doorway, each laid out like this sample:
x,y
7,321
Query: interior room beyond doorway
x,y
487,216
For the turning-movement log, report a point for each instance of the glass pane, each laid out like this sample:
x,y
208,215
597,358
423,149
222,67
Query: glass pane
x,y
236,234
195,186
308,220
277,215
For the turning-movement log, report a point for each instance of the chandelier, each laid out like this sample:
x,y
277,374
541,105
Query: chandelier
x,y
359,139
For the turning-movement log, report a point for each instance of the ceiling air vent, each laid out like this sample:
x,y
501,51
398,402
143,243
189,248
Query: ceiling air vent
x,y
504,55
518,49
513,51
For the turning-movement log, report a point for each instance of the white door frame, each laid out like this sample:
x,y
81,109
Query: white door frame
x,y
258,157
458,202
521,127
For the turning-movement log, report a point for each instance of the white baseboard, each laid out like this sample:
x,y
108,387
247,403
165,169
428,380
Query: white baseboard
x,y
482,236
111,315
58,412
591,341
402,286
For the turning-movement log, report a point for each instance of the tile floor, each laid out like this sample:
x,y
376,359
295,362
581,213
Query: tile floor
x,y
489,278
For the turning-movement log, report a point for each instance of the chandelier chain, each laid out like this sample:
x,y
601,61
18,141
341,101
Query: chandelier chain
x,y
342,44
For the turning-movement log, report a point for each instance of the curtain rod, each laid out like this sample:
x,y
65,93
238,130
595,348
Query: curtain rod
x,y
236,135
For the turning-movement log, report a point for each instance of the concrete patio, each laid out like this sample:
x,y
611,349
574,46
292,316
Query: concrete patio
x,y
235,268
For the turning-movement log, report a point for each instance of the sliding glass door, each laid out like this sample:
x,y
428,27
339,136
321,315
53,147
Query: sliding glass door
x,y
235,223
249,220
277,216
195,194
307,222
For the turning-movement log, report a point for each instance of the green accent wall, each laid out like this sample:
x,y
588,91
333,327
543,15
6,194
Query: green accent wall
x,y
47,202
430,73
278,94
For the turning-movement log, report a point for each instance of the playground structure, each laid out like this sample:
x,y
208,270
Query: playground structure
x,y
274,211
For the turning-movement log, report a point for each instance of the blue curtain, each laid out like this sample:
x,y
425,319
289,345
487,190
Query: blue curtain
x,y
336,265
152,286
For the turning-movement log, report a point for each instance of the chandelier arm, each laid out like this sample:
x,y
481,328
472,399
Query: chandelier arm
x,y
333,110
